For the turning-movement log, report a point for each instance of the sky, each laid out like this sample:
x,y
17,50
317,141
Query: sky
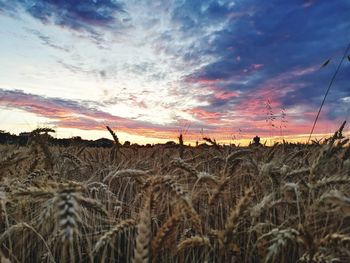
x,y
150,69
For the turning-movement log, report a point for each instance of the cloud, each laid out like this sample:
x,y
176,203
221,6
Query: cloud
x,y
271,51
205,116
83,115
214,62
73,14
47,41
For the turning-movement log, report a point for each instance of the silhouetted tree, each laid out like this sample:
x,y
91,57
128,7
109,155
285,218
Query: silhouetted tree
x,y
256,140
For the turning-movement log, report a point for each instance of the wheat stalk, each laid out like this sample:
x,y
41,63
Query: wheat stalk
x,y
141,251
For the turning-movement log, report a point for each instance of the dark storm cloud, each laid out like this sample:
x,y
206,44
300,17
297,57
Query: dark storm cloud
x,y
73,14
192,14
260,42
279,36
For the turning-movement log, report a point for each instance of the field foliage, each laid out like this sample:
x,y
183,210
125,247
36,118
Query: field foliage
x,y
286,203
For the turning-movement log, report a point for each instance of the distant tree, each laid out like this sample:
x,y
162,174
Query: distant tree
x,y
5,137
256,140
103,142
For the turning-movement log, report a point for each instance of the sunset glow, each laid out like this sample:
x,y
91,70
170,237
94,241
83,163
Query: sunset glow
x,y
148,69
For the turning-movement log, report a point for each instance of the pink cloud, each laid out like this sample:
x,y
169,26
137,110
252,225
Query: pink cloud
x,y
253,105
257,66
204,81
71,114
225,95
206,116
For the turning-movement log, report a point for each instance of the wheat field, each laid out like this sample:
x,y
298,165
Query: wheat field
x,y
286,203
